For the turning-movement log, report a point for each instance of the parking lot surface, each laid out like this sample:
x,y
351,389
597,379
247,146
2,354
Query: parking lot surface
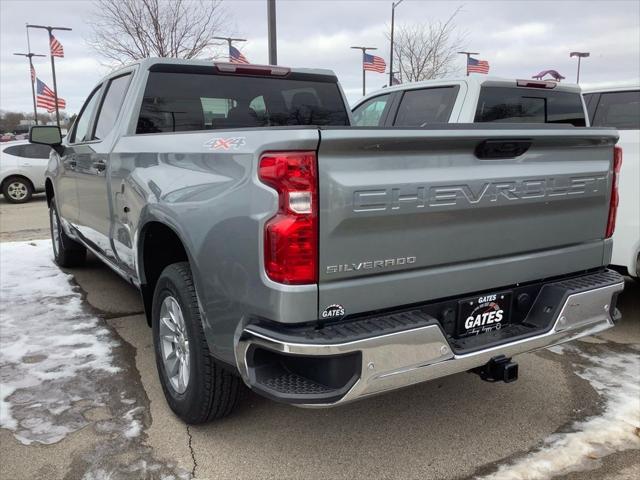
x,y
81,398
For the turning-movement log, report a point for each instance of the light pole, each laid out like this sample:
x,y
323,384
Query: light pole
x,y
273,42
393,10
580,56
468,54
364,49
53,64
229,41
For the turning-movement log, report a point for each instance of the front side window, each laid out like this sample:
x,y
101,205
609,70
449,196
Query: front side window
x,y
184,101
81,131
529,105
618,109
419,108
370,113
116,91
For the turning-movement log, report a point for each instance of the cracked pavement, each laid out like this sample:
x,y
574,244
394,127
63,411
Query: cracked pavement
x,y
456,427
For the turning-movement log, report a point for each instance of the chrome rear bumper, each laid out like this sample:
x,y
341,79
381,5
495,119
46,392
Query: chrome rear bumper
x,y
396,360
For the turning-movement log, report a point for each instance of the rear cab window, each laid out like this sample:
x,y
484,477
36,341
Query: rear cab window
x,y
419,108
201,100
615,109
529,105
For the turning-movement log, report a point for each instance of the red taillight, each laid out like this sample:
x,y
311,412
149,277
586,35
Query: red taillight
x,y
291,236
613,204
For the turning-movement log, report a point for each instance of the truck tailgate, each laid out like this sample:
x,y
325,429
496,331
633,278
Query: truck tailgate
x,y
410,215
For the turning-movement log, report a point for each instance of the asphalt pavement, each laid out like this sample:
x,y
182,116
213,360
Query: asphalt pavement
x,y
454,428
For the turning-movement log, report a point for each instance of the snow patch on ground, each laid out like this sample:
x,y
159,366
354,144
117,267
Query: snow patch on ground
x,y
616,377
52,352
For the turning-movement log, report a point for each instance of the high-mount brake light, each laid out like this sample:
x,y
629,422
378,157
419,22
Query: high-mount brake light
x,y
615,198
291,236
250,69
534,84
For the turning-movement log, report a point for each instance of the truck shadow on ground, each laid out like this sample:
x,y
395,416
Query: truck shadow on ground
x,y
444,428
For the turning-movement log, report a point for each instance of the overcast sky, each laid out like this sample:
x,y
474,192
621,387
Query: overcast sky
x,y
519,38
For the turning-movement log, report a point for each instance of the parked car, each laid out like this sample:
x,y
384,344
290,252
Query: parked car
x,y
471,100
276,245
7,137
619,107
22,169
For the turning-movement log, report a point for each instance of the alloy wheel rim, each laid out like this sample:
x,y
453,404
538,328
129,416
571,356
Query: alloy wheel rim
x,y
174,344
17,190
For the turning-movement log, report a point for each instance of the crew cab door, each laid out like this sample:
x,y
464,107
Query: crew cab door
x,y
75,146
95,218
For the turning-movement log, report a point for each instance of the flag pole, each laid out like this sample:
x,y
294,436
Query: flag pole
x,y
468,54
32,77
53,73
364,49
30,56
229,41
53,64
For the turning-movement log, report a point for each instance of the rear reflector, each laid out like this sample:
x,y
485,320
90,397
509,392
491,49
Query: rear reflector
x,y
250,69
613,203
291,236
533,84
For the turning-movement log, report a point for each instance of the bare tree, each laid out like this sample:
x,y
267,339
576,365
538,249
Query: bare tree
x,y
126,30
427,50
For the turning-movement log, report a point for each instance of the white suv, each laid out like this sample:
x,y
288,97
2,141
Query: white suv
x,y
22,167
620,107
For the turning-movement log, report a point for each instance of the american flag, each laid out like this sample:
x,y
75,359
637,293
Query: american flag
x,y
46,98
56,47
235,56
33,74
373,63
477,66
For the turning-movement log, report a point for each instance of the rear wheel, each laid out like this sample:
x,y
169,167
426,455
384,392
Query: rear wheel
x,y
66,251
17,190
197,387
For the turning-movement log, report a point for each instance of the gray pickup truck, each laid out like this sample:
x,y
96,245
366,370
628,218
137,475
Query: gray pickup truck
x,y
319,263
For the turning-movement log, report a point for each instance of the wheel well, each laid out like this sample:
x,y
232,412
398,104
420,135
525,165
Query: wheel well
x,y
48,188
161,247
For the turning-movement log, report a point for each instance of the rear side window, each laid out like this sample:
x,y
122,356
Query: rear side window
x,y
176,101
419,108
33,150
116,90
618,109
529,105
370,113
15,150
29,150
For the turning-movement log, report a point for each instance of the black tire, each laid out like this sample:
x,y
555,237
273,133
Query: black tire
x,y
17,190
67,252
212,390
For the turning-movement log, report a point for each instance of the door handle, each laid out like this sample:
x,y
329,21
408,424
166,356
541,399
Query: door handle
x,y
72,164
100,166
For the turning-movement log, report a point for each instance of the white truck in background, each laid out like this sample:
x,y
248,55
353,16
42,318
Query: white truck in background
x,y
484,99
619,107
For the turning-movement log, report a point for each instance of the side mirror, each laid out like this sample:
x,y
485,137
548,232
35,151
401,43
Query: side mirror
x,y
45,135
